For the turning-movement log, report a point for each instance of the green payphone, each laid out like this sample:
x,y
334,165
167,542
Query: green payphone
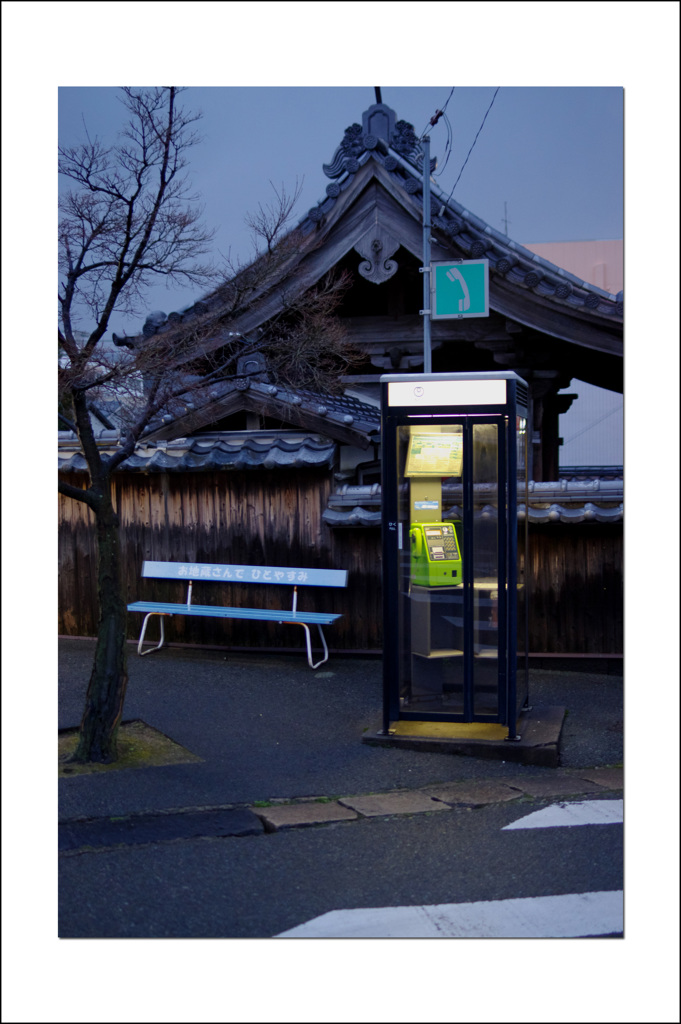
x,y
435,555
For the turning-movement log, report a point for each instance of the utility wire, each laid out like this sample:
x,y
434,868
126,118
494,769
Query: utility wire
x,y
474,141
448,144
438,113
448,147
431,124
595,423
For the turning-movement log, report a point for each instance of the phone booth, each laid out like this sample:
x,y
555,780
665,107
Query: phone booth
x,y
454,598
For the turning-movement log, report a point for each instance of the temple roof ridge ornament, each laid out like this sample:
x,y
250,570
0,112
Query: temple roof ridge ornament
x,y
380,130
405,142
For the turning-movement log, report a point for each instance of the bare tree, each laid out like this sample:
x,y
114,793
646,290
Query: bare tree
x,y
128,220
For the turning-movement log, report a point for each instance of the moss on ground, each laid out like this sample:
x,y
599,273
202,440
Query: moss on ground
x,y
139,746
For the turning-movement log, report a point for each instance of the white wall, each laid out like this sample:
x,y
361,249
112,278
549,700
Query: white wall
x,y
593,428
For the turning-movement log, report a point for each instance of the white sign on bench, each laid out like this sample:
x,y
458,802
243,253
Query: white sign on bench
x,y
209,572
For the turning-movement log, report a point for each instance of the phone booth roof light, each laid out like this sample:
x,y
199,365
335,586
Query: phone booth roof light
x,y
428,389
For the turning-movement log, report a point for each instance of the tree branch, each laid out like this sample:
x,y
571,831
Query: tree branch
x,y
77,493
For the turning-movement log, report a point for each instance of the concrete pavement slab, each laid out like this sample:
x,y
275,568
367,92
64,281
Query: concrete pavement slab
x,y
473,794
609,778
556,785
405,802
311,812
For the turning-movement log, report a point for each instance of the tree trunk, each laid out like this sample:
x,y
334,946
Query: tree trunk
x,y
109,678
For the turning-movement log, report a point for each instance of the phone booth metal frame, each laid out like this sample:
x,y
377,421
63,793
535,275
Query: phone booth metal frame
x,y
454,469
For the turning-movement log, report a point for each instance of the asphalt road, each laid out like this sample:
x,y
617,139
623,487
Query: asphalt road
x,y
258,886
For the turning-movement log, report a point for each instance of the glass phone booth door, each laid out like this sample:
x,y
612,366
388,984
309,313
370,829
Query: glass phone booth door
x,y
451,582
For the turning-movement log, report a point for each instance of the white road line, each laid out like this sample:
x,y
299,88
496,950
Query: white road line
x,y
577,915
586,812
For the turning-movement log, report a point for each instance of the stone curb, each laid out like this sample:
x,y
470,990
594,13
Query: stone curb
x,y
476,794
398,802
310,811
280,814
141,829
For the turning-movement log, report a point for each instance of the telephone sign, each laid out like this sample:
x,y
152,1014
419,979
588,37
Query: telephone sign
x,y
459,289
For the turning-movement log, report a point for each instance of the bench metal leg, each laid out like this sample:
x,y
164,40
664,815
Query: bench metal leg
x,y
144,629
308,641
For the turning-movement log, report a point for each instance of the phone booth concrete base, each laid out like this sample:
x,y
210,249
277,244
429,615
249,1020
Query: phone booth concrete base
x,y
454,606
537,740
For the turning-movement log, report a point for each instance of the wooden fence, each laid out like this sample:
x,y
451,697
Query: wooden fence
x,y
274,518
576,588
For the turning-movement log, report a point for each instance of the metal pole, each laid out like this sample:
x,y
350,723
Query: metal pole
x,y
427,360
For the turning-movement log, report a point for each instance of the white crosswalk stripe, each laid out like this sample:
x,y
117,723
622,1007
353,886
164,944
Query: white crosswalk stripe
x,y
585,812
576,915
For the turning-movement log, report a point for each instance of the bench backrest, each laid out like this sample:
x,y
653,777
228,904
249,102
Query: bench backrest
x,y
221,573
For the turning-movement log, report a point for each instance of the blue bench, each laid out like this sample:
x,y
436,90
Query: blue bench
x,y
202,572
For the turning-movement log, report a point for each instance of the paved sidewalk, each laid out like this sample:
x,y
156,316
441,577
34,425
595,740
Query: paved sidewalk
x,y
279,815
472,794
274,740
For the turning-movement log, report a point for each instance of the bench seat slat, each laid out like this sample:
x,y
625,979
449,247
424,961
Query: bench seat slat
x,y
209,572
220,612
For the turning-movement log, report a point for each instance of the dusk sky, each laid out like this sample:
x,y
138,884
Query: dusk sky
x,y
550,160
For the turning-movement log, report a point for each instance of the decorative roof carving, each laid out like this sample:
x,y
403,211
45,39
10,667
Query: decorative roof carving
x,y
405,141
377,246
378,123
345,157
252,367
379,131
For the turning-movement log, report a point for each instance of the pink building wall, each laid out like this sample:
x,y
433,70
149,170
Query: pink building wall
x,y
598,262
593,427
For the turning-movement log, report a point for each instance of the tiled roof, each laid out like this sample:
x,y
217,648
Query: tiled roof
x,y
205,453
555,513
597,500
591,473
345,405
395,147
341,416
586,513
401,157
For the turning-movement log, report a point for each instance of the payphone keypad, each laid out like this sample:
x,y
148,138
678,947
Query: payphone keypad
x,y
441,543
